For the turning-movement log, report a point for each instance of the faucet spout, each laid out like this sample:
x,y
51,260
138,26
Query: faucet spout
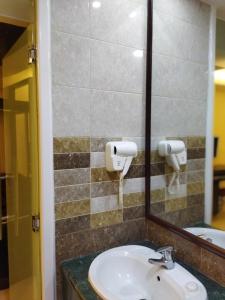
x,y
167,260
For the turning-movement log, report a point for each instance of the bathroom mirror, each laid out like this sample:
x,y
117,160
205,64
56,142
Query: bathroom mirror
x,y
185,123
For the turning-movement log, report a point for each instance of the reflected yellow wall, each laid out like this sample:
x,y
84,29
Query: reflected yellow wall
x,y
219,123
2,160
1,91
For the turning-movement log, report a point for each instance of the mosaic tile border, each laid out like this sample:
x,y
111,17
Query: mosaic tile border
x,y
177,208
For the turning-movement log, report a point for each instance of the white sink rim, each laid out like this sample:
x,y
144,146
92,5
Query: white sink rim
x,y
105,294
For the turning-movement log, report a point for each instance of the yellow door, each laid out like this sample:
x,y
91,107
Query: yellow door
x,y
22,169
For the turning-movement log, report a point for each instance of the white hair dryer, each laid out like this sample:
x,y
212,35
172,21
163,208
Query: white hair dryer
x,y
118,157
176,155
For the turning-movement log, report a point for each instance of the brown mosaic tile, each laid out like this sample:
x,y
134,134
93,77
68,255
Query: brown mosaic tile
x,y
173,217
158,195
72,209
155,157
71,176
71,144
195,164
91,240
187,252
196,142
136,171
195,153
133,199
100,174
187,217
195,188
192,216
140,159
158,208
74,244
100,189
72,192
106,218
71,160
196,176
70,225
175,204
197,199
158,235
98,144
157,169
135,212
119,234
183,178
213,266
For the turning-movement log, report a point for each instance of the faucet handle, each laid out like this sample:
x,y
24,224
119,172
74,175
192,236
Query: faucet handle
x,y
165,249
167,252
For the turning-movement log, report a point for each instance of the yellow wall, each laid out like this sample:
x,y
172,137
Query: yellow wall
x,y
219,123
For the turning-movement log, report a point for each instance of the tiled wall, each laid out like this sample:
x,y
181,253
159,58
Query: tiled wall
x,y
86,193
179,104
186,207
98,67
180,67
88,217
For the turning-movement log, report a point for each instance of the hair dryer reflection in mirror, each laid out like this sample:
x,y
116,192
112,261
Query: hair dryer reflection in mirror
x,y
176,155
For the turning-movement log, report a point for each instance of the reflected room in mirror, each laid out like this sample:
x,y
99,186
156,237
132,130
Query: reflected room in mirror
x,y
187,126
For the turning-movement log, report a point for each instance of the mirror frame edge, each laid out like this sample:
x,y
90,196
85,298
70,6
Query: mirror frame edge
x,y
170,227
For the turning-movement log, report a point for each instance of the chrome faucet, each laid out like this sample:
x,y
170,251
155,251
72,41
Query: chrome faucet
x,y
167,259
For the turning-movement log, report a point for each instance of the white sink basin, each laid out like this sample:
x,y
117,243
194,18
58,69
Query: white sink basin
x,y
124,273
214,236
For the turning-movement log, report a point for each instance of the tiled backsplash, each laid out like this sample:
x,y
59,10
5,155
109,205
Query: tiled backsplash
x,y
185,208
88,217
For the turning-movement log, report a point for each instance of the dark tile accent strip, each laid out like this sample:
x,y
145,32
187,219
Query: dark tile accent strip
x,y
91,240
71,144
134,212
213,266
71,176
195,153
72,225
140,159
158,208
71,160
196,142
195,200
136,171
157,169
101,189
101,174
72,192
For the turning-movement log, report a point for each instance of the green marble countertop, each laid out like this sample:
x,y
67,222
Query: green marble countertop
x,y
75,271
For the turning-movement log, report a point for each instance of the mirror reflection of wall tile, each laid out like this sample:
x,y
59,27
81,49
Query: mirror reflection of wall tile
x,y
131,17
179,102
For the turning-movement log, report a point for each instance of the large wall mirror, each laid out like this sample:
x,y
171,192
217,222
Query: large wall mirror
x,y
186,120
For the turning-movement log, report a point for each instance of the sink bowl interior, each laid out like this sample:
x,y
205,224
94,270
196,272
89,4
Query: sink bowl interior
x,y
124,273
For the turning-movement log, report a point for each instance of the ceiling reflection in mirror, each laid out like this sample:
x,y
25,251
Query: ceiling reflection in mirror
x,y
180,114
